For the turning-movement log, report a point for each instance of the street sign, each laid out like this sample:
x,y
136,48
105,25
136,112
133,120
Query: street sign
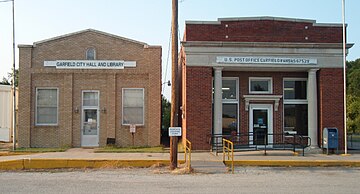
x,y
174,131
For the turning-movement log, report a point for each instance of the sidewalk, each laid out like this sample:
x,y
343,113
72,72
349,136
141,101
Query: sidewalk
x,y
86,158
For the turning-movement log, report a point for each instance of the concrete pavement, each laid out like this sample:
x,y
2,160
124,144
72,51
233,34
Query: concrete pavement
x,y
201,161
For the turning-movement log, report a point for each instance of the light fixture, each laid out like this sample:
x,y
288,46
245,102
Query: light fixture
x,y
76,110
103,110
168,83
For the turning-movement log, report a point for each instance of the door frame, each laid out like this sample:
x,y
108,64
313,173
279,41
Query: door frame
x,y
83,108
269,108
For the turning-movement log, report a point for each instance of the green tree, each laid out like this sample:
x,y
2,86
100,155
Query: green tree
x,y
353,96
165,110
8,80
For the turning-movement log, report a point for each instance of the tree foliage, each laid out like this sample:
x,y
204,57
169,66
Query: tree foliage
x,y
8,80
353,96
166,106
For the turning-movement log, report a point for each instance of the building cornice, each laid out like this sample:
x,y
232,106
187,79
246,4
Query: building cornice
x,y
263,44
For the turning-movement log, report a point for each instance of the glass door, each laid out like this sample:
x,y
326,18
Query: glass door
x,y
261,124
90,119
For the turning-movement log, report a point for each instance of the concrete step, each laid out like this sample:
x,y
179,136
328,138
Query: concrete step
x,y
208,167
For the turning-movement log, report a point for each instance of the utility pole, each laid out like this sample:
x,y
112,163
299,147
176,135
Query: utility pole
x,y
174,88
344,73
13,78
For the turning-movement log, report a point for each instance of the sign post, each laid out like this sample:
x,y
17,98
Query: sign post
x,y
132,131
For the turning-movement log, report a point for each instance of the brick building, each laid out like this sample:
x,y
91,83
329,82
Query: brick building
x,y
86,88
268,74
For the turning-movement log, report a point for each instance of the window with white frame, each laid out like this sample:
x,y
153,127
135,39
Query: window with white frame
x,y
260,85
295,105
90,54
133,106
46,106
230,104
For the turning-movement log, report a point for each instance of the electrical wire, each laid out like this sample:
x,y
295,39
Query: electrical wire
x,y
167,61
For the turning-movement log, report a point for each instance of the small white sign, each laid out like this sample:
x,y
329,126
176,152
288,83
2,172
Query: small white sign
x,y
174,131
132,128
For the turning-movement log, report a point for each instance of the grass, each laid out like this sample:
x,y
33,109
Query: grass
x,y
114,149
41,150
156,149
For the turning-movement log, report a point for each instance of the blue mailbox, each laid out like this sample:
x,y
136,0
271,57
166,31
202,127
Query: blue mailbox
x,y
330,139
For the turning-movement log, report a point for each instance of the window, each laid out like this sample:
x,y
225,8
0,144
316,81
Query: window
x,y
260,85
46,106
229,89
295,105
296,118
295,89
229,118
91,98
133,106
90,54
230,104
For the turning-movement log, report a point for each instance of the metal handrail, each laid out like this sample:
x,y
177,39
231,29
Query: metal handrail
x,y
250,141
228,149
188,154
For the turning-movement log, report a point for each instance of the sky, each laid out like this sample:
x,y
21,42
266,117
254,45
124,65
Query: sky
x,y
150,20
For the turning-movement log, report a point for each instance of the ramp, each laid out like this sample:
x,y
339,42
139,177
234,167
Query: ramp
x,y
207,163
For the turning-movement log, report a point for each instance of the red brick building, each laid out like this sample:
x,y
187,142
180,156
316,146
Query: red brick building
x,y
267,74
86,88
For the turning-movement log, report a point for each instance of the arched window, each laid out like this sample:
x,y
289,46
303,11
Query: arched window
x,y
90,54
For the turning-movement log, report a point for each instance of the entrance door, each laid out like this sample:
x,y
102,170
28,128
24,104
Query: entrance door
x,y
261,124
90,119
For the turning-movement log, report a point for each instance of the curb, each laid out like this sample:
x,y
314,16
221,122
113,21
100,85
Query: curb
x,y
26,164
39,163
296,163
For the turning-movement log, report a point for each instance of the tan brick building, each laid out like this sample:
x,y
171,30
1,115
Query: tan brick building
x,y
86,89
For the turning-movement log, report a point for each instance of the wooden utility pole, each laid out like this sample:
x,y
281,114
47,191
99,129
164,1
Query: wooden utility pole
x,y
174,88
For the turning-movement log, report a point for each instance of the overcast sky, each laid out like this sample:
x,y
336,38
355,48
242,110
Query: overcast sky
x,y
150,20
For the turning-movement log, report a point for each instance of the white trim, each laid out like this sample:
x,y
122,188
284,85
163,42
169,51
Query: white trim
x,y
89,30
249,98
293,101
83,108
57,106
86,53
236,89
234,101
82,98
122,106
270,85
269,108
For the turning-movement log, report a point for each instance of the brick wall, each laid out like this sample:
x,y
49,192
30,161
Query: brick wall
x,y
197,106
277,78
263,31
331,102
109,83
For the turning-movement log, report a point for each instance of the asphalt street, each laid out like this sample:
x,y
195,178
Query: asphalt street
x,y
160,180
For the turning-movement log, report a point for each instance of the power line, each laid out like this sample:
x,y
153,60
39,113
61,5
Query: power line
x,y
167,60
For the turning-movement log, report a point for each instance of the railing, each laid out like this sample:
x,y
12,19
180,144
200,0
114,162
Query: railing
x,y
261,141
188,154
228,150
353,141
